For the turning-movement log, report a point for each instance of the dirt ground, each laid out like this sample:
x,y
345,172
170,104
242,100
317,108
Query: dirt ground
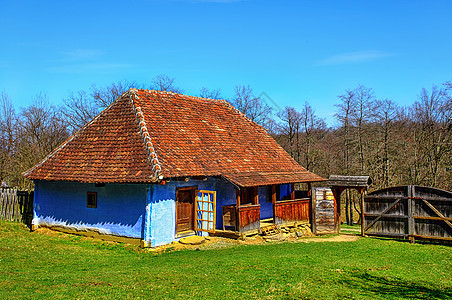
x,y
215,242
220,242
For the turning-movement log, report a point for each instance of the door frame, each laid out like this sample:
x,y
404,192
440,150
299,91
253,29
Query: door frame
x,y
194,190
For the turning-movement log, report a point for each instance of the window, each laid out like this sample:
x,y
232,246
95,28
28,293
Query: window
x,y
91,200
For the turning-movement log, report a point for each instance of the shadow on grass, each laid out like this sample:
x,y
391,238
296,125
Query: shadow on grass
x,y
418,241
394,287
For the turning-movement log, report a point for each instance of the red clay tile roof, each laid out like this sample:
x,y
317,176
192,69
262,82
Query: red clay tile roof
x,y
145,136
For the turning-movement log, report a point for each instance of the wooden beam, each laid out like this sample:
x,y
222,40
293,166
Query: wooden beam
x,y
292,191
237,198
273,194
274,202
337,207
255,195
362,214
437,212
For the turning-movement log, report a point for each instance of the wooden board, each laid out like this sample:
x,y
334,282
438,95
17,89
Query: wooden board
x,y
248,217
324,213
185,209
291,210
16,205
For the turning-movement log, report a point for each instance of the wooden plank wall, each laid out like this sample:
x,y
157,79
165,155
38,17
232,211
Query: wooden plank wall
x,y
324,221
249,217
16,205
292,210
408,212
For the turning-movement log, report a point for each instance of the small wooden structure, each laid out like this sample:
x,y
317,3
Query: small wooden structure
x,y
414,212
339,183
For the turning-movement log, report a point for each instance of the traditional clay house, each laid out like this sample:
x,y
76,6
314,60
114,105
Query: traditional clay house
x,y
155,166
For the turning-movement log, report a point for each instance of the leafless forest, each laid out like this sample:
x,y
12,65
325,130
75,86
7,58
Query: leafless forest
x,y
394,145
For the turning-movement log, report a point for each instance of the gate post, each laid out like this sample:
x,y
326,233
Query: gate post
x,y
410,204
313,215
362,214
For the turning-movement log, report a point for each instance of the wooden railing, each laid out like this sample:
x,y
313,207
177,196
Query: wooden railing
x,y
249,217
242,218
291,210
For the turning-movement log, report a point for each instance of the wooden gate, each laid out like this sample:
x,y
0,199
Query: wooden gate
x,y
408,212
16,205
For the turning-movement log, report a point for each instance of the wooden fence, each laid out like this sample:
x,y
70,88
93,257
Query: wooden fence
x,y
408,212
16,205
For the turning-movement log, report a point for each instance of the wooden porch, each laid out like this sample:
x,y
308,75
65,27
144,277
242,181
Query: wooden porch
x,y
244,217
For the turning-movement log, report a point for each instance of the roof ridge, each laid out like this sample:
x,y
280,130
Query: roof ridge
x,y
161,92
152,156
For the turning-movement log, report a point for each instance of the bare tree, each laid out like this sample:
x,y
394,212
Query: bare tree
x,y
105,96
363,106
432,115
210,93
289,128
311,127
252,106
81,107
8,136
163,82
41,131
78,109
385,114
344,114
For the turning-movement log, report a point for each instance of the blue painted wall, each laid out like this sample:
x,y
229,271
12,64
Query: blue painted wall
x,y
120,207
265,201
225,196
162,207
284,191
146,211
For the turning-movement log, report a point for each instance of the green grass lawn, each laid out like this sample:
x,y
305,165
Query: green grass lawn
x,y
34,265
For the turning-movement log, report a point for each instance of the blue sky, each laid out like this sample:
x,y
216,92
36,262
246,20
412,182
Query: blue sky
x,y
294,51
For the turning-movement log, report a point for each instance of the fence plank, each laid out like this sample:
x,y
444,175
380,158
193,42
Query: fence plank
x,y
16,205
437,212
382,214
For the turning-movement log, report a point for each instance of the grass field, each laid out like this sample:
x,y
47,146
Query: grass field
x,y
34,265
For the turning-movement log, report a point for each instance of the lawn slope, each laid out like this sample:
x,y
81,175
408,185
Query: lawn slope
x,y
34,265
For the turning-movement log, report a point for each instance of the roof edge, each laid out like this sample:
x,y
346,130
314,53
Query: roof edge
x,y
152,156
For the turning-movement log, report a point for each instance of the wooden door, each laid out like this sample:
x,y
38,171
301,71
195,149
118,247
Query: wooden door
x,y
324,220
185,209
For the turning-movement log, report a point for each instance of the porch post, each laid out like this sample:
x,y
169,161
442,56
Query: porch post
x,y
292,191
237,198
255,195
337,191
237,205
273,194
274,202
309,189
